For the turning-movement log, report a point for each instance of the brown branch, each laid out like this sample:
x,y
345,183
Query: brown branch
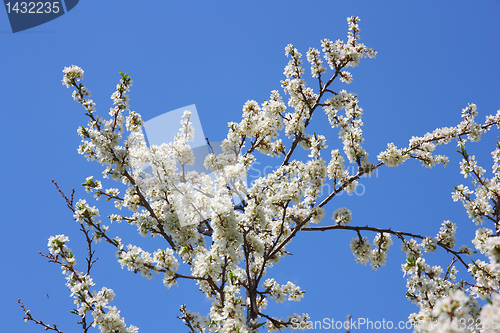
x,y
299,225
312,108
399,234
29,317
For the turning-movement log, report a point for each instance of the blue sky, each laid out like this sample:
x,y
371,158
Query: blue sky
x,y
434,57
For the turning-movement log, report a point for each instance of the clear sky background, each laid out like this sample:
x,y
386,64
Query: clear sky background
x,y
433,58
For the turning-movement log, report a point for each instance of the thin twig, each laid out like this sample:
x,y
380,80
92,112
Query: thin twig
x,y
29,317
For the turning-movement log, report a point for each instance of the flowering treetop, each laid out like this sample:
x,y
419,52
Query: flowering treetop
x,y
230,251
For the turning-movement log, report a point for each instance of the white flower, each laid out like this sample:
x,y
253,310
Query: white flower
x,y
361,250
342,216
429,244
73,73
451,310
393,156
57,244
378,255
490,315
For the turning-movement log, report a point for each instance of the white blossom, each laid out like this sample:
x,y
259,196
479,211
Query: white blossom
x,y
227,246
361,250
342,216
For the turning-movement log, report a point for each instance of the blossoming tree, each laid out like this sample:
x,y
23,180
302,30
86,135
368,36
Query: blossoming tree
x,y
229,233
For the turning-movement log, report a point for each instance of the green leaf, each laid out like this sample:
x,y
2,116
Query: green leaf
x,y
124,76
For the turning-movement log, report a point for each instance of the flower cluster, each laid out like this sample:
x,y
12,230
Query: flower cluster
x,y
360,247
342,216
71,75
447,233
339,54
378,256
485,189
363,253
105,316
490,314
138,260
449,312
422,148
443,302
278,292
350,124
